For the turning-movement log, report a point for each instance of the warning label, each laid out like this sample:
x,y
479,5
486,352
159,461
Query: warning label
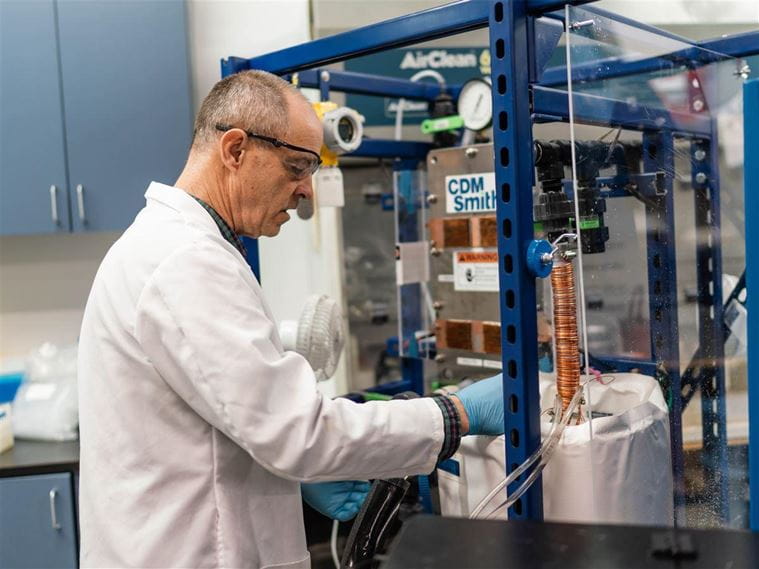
x,y
475,271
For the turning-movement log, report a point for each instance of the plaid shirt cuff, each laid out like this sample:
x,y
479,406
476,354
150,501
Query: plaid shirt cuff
x,y
451,427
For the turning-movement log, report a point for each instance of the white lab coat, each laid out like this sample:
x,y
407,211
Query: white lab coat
x,y
196,426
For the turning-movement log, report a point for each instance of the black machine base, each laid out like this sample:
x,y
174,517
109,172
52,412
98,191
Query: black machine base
x,y
431,541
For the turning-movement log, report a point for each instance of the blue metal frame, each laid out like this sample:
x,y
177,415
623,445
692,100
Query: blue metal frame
x,y
517,102
709,51
544,34
251,248
454,18
738,45
551,104
616,186
696,373
612,364
710,312
659,155
401,149
512,140
751,193
366,84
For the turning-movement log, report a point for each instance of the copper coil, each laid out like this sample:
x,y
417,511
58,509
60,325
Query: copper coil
x,y
565,331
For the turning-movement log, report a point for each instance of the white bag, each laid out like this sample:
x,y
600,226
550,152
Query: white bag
x,y
623,475
46,406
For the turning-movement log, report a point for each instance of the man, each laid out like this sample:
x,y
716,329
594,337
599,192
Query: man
x,y
197,429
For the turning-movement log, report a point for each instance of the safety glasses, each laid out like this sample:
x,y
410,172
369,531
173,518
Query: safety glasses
x,y
299,167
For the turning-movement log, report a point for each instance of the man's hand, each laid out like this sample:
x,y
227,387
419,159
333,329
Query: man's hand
x,y
483,407
337,500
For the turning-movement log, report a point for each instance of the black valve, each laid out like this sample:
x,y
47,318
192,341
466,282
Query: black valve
x,y
555,211
443,106
593,233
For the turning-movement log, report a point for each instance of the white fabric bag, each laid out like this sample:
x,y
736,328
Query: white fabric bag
x,y
622,475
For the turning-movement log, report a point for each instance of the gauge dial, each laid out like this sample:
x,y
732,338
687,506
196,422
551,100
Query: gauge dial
x,y
476,104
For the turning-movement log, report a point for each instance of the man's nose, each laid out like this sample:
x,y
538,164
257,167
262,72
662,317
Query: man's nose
x,y
305,189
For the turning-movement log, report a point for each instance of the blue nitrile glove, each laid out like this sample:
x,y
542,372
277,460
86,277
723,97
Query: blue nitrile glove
x,y
337,500
483,402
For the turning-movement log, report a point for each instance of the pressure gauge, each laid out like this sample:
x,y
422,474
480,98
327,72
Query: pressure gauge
x,y
476,104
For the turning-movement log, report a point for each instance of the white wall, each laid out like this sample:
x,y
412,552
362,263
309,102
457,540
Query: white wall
x,y
245,28
44,282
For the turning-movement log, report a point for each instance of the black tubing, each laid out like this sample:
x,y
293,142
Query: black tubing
x,y
376,516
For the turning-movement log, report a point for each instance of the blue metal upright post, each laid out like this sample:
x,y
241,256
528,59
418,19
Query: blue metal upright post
x,y
252,257
705,178
659,155
751,192
512,137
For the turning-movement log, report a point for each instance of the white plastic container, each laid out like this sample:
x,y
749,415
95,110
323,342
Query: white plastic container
x,y
6,428
623,474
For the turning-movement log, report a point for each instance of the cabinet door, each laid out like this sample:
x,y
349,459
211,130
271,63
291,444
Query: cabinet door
x,y
126,92
33,194
37,522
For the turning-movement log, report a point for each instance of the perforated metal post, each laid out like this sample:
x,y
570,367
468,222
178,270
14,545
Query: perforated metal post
x,y
751,193
512,136
705,178
659,155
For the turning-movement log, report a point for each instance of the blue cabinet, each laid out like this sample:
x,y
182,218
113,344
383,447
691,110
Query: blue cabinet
x,y
38,521
33,185
95,104
126,90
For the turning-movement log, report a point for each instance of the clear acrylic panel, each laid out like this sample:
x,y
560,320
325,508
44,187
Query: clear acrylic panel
x,y
657,198
412,264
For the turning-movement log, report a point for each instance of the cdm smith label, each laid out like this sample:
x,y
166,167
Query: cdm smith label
x,y
470,193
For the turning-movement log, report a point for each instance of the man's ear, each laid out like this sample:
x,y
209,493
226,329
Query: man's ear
x,y
232,148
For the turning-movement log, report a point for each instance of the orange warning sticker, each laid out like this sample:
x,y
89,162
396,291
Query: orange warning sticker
x,y
477,257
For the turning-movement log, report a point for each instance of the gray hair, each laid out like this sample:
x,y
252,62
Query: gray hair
x,y
253,100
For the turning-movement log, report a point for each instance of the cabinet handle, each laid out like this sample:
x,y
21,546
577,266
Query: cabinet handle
x,y
53,513
80,203
54,204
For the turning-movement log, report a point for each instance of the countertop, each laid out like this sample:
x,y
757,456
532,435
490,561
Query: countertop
x,y
37,457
